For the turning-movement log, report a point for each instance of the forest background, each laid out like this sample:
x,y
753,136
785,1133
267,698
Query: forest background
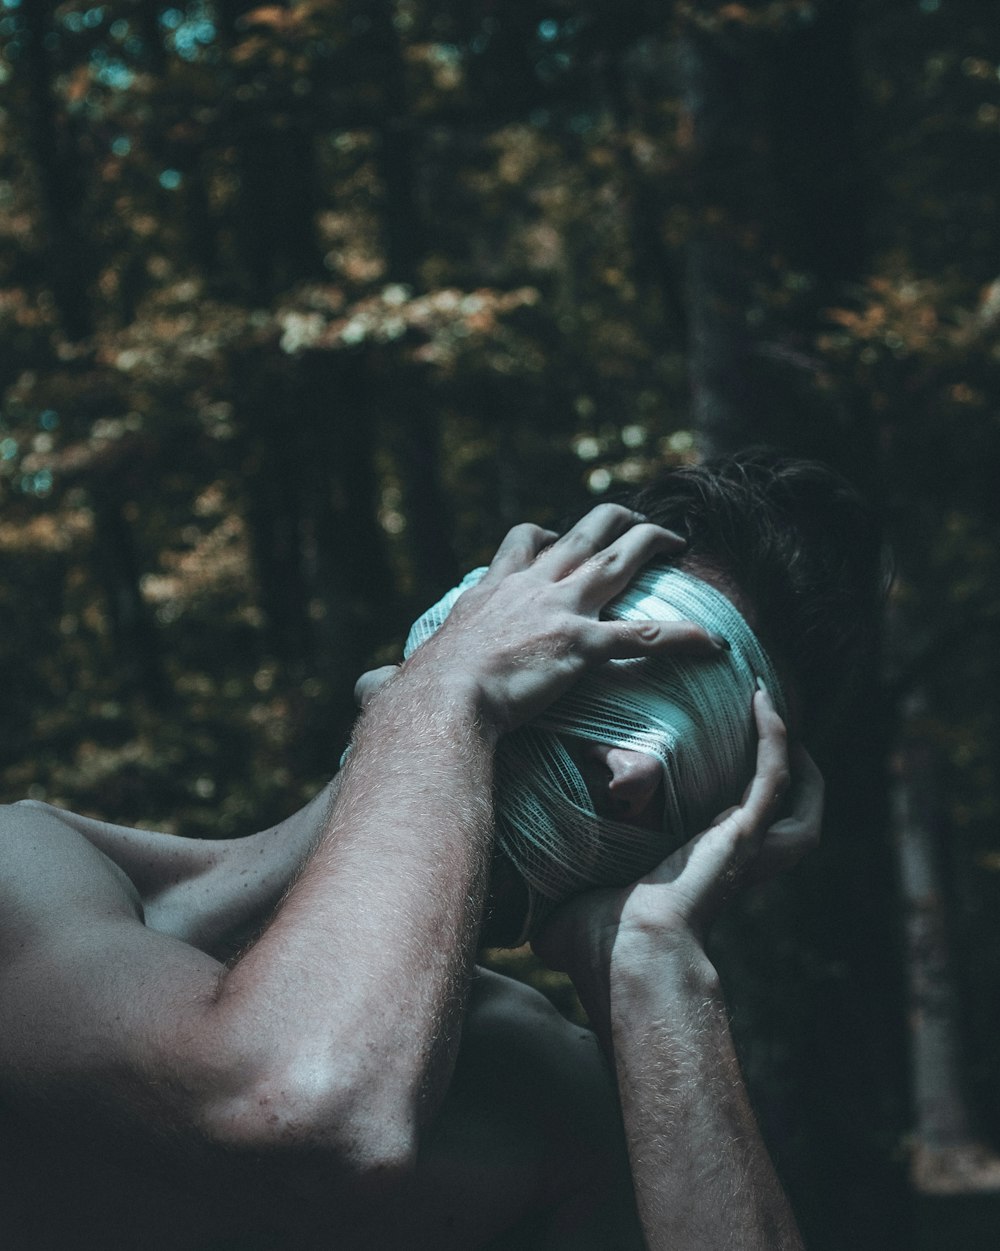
x,y
303,304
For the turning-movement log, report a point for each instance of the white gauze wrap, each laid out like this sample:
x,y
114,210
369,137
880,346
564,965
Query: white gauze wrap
x,y
693,714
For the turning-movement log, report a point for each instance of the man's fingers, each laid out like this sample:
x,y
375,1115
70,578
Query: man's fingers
x,y
602,576
520,547
737,834
629,640
788,840
708,868
808,789
592,534
771,776
782,847
370,682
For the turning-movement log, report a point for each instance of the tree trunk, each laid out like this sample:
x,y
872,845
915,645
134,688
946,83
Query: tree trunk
x,y
417,454
68,253
821,189
407,403
720,132
948,1156
272,472
774,189
349,569
147,18
654,266
275,144
133,634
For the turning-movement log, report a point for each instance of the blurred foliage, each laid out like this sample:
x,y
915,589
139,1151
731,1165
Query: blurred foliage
x,y
302,304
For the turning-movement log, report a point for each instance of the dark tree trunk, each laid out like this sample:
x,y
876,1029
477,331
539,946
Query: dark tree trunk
x,y
654,266
137,648
402,231
775,185
721,133
417,453
351,574
948,1155
312,507
818,172
272,476
68,254
147,19
407,404
275,218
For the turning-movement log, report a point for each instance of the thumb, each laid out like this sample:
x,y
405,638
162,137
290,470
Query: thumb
x,y
371,682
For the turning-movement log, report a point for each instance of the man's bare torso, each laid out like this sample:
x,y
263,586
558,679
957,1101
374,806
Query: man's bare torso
x,y
526,1152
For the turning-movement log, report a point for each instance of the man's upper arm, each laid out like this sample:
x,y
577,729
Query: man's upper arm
x,y
95,1006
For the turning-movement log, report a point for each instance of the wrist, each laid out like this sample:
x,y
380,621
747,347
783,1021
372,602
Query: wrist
x,y
426,693
669,959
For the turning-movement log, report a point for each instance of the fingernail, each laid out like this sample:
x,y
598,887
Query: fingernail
x,y
723,644
678,538
762,685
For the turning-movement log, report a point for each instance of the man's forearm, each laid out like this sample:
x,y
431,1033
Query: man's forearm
x,y
361,974
702,1176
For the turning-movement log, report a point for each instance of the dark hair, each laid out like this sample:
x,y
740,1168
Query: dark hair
x,y
803,548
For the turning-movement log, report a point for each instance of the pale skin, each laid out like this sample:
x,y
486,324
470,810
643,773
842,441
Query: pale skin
x,y
312,1091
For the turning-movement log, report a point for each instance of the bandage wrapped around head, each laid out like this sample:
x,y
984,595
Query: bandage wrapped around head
x,y
693,714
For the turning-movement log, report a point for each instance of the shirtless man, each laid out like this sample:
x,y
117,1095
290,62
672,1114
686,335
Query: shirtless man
x,y
311,1092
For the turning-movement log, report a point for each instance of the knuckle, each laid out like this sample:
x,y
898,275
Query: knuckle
x,y
613,513
734,833
563,638
371,682
606,559
781,780
648,531
645,631
524,533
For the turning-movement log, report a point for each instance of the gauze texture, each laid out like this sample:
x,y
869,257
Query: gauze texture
x,y
693,715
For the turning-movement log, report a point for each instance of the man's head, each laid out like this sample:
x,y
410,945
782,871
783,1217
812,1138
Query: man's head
x,y
799,550
776,547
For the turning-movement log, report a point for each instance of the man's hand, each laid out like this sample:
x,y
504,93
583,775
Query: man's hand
x,y
528,630
677,902
701,1174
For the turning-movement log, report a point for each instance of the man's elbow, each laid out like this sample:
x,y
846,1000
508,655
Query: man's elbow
x,y
349,1124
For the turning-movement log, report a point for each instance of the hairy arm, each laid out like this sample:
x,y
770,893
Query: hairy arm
x,y
702,1176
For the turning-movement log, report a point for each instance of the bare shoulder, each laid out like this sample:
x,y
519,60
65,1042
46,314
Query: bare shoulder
x,y
556,1065
51,872
528,1151
504,1014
